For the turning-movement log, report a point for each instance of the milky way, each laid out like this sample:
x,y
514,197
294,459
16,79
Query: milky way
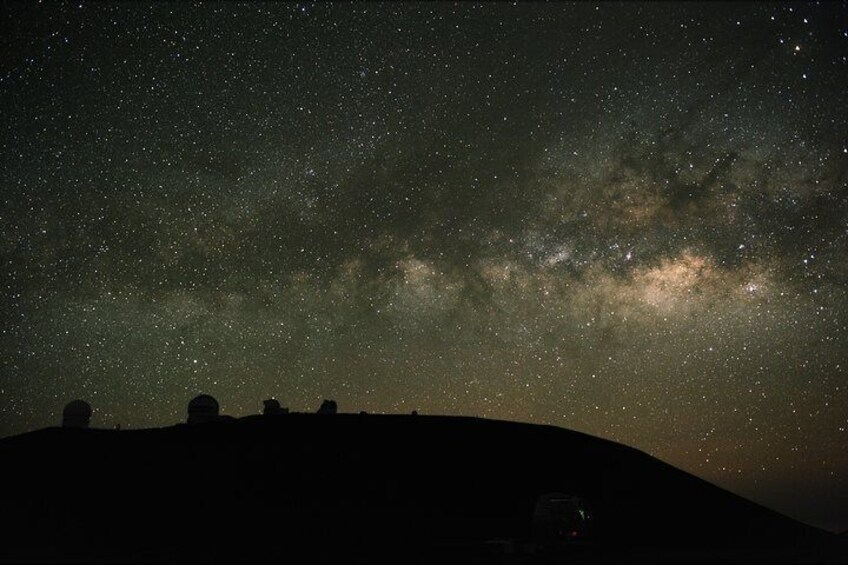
x,y
629,220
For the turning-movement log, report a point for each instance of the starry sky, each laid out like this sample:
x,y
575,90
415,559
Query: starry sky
x,y
629,220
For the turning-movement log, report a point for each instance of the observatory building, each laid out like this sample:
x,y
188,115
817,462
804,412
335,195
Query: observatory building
x,y
271,407
328,407
77,414
202,409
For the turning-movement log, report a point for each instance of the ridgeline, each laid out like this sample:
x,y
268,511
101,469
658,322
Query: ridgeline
x,y
365,487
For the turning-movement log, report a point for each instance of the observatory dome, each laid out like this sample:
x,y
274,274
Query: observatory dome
x,y
203,408
77,414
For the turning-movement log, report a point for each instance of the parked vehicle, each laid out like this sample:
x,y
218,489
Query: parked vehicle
x,y
561,519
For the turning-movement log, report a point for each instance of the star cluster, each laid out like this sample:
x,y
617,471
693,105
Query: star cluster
x,y
625,219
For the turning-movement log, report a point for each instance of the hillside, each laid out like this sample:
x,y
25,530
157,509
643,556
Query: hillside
x,y
360,486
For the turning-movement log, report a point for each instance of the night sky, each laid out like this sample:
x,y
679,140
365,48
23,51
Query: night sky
x,y
629,220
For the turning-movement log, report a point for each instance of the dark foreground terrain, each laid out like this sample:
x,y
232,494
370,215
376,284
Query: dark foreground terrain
x,y
364,488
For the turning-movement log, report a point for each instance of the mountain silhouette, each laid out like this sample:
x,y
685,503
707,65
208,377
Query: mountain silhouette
x,y
358,487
